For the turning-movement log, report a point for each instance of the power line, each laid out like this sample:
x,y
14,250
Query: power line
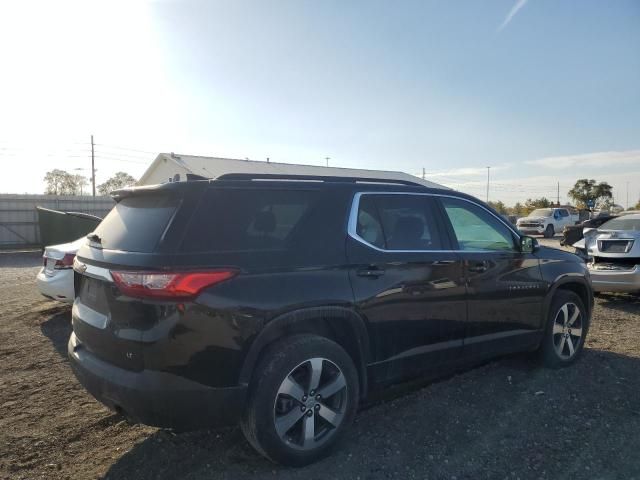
x,y
124,160
124,155
125,148
125,152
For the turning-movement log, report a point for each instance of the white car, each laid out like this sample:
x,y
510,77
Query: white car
x,y
546,221
615,251
55,279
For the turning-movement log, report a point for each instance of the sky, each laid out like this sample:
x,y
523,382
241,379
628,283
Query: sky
x,y
542,91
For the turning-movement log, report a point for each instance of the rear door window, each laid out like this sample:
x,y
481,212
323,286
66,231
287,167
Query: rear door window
x,y
136,224
369,227
399,222
248,219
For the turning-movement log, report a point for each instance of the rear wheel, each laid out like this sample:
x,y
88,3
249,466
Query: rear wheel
x,y
304,396
566,330
549,232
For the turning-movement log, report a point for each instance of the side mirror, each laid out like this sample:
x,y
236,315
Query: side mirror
x,y
528,244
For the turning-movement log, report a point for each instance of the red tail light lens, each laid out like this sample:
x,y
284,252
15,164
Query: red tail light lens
x,y
168,286
62,264
66,262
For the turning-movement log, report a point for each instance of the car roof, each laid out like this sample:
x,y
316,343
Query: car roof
x,y
283,181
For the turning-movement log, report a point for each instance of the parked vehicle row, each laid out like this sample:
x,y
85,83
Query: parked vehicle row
x,y
281,302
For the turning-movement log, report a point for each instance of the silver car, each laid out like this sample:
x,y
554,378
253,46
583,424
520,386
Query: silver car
x,y
615,251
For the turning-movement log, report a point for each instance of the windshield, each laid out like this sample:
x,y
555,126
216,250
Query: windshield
x,y
541,212
629,223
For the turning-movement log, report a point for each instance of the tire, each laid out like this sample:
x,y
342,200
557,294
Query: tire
x,y
549,232
281,394
561,325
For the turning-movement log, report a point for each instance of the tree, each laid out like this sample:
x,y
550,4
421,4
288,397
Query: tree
x,y
518,209
542,202
585,190
119,180
637,206
80,183
499,207
60,182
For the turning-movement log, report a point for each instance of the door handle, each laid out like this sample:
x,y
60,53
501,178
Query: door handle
x,y
370,271
479,267
443,262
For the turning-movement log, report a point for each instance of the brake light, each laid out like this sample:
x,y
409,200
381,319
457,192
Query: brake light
x,y
66,262
168,286
62,264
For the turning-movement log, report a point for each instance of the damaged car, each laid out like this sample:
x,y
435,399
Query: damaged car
x,y
614,249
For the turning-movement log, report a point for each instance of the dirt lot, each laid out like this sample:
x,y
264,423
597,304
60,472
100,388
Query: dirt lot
x,y
506,419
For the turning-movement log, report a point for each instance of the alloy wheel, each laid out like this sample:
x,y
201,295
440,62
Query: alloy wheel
x,y
310,404
567,330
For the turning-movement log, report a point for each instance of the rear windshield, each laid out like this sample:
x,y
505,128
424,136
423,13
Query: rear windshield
x,y
136,224
629,223
249,219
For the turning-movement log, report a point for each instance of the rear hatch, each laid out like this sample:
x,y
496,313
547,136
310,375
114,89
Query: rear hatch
x,y
105,322
148,261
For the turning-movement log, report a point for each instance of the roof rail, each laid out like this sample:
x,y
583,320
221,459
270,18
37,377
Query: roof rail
x,y
316,178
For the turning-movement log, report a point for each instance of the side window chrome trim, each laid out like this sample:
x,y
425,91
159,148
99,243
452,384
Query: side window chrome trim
x,y
352,225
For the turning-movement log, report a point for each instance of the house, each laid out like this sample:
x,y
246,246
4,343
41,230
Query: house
x,y
169,166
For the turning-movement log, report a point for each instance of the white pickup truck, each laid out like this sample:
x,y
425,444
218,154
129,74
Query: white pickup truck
x,y
546,221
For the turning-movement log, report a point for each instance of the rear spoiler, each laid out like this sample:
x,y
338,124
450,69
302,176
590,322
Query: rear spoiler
x,y
171,186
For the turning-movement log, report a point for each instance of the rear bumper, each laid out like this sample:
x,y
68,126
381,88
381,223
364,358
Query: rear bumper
x,y
156,398
615,280
58,287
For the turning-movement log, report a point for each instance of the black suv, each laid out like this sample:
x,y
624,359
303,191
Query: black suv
x,y
280,302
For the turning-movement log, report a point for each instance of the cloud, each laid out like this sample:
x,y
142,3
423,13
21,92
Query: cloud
x,y
512,13
467,171
589,160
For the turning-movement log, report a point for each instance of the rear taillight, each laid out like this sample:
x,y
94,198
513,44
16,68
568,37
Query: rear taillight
x,y
66,262
62,264
168,285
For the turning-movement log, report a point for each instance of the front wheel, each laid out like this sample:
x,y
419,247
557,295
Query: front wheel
x,y
549,232
566,330
303,397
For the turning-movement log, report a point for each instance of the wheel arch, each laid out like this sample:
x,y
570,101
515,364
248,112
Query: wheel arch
x,y
340,324
574,283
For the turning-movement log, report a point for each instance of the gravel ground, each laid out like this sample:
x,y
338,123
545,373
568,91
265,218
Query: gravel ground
x,y
505,419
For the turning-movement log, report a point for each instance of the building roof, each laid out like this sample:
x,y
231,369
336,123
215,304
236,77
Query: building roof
x,y
213,167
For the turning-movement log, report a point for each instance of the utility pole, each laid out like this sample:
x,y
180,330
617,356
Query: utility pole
x,y
93,169
327,160
488,169
423,173
627,195
558,193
